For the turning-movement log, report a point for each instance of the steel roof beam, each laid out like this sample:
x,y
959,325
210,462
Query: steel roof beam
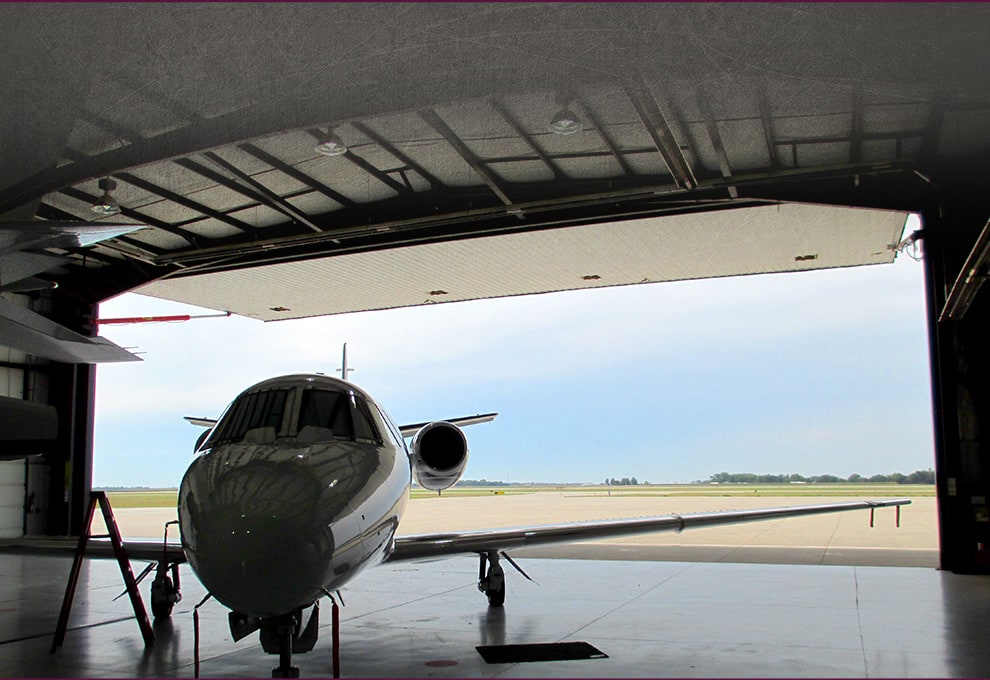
x,y
856,125
715,138
663,137
929,143
437,123
220,179
569,155
132,214
609,143
526,137
768,136
295,174
390,148
183,201
268,197
117,130
367,167
199,134
864,136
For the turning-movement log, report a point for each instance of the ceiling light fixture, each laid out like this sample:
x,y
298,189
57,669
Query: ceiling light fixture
x,y
106,204
565,122
331,145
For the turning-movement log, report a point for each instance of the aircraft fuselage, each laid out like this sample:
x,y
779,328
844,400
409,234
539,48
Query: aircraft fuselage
x,y
298,487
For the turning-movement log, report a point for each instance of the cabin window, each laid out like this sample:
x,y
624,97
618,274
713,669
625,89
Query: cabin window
x,y
325,414
255,417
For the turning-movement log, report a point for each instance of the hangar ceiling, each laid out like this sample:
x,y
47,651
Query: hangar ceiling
x,y
206,119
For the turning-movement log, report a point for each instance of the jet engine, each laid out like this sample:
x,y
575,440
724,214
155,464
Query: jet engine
x,y
439,455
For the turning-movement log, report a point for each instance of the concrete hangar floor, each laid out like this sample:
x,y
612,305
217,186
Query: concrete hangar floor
x,y
649,618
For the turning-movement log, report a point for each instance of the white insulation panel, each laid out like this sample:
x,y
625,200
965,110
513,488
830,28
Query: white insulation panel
x,y
754,240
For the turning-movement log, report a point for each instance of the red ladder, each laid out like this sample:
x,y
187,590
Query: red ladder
x,y
100,497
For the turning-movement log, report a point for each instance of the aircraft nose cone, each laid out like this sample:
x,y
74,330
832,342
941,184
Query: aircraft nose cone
x,y
253,534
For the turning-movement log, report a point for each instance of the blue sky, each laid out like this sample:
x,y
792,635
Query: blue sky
x,y
810,373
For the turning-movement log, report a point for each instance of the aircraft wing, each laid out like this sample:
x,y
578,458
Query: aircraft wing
x,y
28,331
410,430
424,546
201,422
65,546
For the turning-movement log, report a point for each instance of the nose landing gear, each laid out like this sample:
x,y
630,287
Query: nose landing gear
x,y
281,635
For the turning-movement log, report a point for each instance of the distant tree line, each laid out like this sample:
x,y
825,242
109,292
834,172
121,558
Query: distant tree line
x,y
916,477
625,481
480,482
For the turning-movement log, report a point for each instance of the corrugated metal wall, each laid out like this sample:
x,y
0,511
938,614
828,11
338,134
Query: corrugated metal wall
x,y
20,379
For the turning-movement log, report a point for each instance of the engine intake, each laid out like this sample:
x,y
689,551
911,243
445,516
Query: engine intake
x,y
439,455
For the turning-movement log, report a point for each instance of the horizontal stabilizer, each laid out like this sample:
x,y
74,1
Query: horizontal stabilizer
x,y
410,430
201,422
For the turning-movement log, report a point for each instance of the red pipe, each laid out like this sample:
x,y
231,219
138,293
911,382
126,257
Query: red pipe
x,y
335,633
154,319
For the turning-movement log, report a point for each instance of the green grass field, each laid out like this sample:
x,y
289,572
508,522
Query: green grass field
x,y
165,498
150,498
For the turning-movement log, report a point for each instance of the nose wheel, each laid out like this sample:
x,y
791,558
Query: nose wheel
x,y
284,635
492,581
165,591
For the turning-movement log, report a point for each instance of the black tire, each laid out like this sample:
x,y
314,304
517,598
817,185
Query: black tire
x,y
496,598
161,602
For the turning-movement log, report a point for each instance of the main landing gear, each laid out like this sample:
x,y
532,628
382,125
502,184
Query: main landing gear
x,y
165,591
492,582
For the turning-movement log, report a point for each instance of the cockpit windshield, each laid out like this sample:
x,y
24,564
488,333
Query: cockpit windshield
x,y
308,414
257,415
325,414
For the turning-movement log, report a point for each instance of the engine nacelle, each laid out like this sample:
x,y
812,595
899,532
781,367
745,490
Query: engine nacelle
x,y
439,455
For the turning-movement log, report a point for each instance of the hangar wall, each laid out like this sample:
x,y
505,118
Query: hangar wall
x,y
13,369
960,394
28,483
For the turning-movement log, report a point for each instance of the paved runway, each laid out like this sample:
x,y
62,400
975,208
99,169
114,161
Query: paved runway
x,y
840,539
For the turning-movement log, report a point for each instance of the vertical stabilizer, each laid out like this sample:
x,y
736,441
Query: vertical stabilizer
x,y
344,370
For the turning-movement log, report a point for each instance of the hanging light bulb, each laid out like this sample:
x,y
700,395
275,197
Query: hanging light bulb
x,y
331,145
565,122
106,204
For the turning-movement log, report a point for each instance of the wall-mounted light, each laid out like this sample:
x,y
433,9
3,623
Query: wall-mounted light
x,y
565,122
106,204
331,145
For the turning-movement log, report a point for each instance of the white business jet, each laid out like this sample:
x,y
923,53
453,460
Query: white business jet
x,y
301,485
